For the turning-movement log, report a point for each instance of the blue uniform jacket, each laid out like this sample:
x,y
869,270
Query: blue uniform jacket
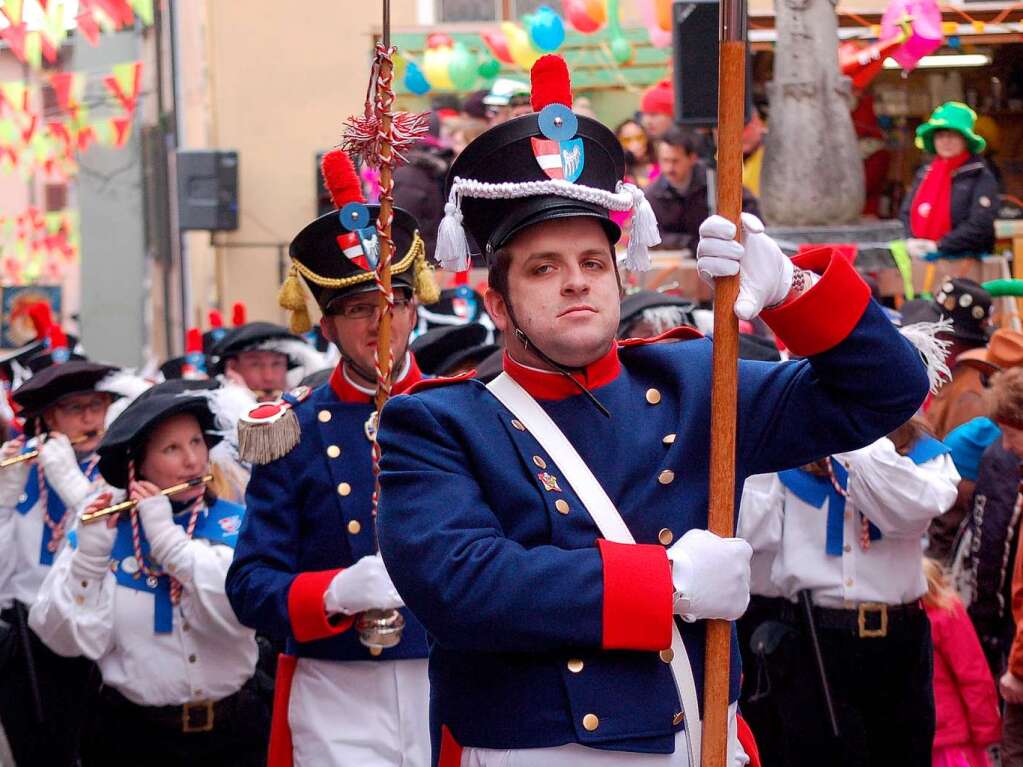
x,y
308,516
535,622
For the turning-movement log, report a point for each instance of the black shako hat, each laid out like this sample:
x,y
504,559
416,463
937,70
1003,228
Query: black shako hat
x,y
634,304
252,336
54,383
337,254
127,436
543,166
961,300
435,349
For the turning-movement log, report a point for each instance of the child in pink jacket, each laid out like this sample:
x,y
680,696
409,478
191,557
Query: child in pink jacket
x,y
966,702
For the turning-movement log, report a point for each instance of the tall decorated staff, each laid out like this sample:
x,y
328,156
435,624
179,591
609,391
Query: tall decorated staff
x,y
724,389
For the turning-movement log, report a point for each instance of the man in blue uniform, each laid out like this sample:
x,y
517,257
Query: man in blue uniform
x,y
548,528
306,566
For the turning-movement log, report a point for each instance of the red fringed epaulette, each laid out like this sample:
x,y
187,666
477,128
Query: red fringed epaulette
x,y
271,430
435,383
549,82
682,333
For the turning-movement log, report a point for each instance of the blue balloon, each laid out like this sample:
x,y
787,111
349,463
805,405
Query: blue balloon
x,y
415,80
547,30
954,42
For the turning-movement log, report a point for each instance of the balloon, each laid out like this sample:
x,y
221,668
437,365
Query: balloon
x,y
547,30
954,42
435,67
415,80
621,50
662,12
489,68
923,18
658,37
439,40
399,62
579,18
596,10
522,53
462,68
498,45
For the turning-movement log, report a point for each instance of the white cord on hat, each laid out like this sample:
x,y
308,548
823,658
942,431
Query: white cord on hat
x,y
453,249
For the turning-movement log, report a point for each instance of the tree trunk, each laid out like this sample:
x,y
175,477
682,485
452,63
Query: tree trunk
x,y
813,173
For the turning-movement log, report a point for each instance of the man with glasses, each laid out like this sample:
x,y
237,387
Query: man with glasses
x,y
44,697
306,568
258,356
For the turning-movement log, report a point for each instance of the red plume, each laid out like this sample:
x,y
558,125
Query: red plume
x,y
56,337
215,318
340,178
42,318
193,340
238,314
551,85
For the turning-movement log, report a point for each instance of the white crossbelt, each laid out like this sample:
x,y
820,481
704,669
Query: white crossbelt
x,y
610,523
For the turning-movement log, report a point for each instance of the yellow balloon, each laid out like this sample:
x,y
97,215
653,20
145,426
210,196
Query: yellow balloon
x,y
522,51
399,65
435,67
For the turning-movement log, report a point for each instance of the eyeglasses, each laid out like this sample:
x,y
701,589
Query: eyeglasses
x,y
96,406
364,309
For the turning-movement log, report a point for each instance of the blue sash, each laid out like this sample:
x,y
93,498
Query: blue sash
x,y
54,510
813,490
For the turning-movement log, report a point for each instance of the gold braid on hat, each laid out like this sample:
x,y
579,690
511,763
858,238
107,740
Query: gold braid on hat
x,y
292,295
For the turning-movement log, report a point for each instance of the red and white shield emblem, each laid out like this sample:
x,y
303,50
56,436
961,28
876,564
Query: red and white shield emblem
x,y
351,246
559,159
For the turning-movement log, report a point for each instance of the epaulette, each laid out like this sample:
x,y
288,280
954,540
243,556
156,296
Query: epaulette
x,y
681,333
433,383
271,430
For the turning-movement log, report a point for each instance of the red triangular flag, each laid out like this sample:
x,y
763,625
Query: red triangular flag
x,y
122,129
14,35
88,27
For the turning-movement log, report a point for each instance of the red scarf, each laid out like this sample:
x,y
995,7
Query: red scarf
x,y
931,212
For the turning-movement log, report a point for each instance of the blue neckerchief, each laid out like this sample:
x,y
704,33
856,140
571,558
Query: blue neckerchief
x,y
814,490
218,524
54,510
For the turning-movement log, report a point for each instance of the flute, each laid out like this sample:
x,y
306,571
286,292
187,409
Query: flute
x,y
93,516
31,454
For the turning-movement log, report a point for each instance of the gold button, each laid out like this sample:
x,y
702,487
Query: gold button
x,y
540,462
354,527
667,655
561,505
665,536
333,451
79,600
575,665
590,722
653,396
518,424
666,477
344,489
677,719
669,439
374,651
323,415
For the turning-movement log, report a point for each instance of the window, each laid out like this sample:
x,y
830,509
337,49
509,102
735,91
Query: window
x,y
468,10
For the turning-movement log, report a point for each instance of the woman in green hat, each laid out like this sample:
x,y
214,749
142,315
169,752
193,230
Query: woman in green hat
x,y
951,206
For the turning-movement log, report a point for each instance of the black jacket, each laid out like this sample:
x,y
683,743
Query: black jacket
x,y
419,189
679,214
974,206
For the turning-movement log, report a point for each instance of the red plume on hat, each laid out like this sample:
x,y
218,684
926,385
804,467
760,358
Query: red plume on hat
x,y
550,82
215,319
56,338
340,178
193,340
238,313
42,318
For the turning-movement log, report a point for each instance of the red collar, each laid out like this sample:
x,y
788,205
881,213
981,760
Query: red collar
x,y
348,391
551,385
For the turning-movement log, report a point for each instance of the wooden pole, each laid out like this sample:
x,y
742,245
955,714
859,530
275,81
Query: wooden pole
x,y
384,100
720,514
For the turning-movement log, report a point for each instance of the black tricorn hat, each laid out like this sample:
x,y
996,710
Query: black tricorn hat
x,y
126,438
56,382
336,254
634,304
544,166
251,336
435,349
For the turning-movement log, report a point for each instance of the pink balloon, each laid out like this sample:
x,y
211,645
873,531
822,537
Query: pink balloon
x,y
658,37
439,40
498,45
577,15
925,25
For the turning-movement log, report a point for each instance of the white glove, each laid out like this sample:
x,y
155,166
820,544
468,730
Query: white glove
x,y
363,586
765,273
158,524
60,465
91,558
919,248
13,478
711,576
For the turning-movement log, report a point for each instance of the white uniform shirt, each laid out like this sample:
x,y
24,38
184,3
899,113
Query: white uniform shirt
x,y
760,525
208,655
897,495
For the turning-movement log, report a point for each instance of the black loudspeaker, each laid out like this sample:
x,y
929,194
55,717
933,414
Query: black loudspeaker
x,y
207,190
695,46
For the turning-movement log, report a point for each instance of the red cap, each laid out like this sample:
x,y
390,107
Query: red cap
x,y
659,99
238,313
215,319
193,340
340,178
550,82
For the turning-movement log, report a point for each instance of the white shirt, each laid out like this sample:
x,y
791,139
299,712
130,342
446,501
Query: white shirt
x,y
208,655
897,495
760,525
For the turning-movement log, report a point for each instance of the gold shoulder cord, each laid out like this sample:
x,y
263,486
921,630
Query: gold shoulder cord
x,y
415,250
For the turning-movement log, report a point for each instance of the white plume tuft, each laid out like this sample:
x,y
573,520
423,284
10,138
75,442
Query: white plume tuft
x,y
924,337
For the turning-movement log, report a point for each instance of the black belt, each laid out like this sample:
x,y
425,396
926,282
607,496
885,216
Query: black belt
x,y
196,716
867,620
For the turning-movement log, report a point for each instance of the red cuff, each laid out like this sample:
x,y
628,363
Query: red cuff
x,y
637,596
305,607
823,316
